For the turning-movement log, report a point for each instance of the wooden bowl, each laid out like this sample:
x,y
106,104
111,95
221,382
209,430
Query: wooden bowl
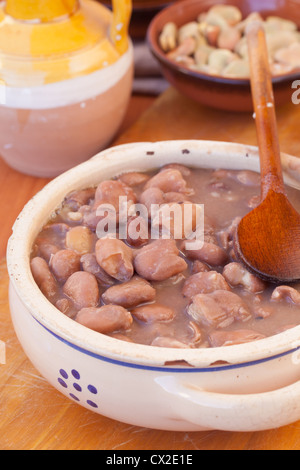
x,y
216,91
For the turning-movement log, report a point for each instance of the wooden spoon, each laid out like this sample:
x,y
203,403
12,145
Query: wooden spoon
x,y
268,238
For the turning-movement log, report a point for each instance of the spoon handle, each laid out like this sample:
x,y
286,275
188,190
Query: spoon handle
x,y
264,108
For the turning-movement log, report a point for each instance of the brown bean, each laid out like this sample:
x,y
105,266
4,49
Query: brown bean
x,y
82,289
79,198
236,275
91,217
44,278
184,170
50,240
176,219
218,309
115,258
137,231
134,178
65,263
130,294
199,267
210,253
229,338
153,313
150,197
111,191
106,319
204,283
90,265
58,228
227,235
286,293
159,260
195,333
169,180
46,250
80,239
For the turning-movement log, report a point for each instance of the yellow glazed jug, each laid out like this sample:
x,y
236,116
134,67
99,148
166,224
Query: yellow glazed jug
x,y
66,72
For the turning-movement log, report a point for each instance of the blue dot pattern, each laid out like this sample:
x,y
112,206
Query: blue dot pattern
x,y
92,389
76,374
77,387
63,373
62,380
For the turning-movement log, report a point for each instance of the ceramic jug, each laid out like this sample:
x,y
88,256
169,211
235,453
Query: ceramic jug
x,y
66,72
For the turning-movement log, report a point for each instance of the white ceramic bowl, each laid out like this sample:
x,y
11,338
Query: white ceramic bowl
x,y
247,387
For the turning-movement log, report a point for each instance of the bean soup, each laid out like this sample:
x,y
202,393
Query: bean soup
x,y
152,281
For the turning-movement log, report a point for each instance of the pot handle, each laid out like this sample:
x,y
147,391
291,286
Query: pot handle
x,y
233,412
122,10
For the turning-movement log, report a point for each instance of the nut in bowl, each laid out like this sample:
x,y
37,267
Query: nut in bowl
x,y
186,385
202,49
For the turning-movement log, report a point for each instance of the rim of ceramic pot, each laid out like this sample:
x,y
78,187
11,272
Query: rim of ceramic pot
x,y
112,162
152,39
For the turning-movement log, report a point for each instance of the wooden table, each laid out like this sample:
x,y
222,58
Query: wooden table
x,y
33,415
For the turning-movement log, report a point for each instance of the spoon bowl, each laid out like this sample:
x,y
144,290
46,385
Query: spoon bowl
x,y
268,238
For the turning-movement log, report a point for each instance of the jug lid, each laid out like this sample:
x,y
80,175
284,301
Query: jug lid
x,y
46,41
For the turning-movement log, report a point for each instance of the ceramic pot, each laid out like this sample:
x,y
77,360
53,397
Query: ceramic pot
x,y
65,81
247,387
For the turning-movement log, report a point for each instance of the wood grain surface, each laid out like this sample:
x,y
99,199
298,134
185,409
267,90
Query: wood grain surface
x,y
33,415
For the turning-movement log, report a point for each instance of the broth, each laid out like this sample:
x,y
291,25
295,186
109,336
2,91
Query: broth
x,y
156,292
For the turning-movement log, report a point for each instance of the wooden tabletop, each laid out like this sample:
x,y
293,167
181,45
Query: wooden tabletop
x,y
33,415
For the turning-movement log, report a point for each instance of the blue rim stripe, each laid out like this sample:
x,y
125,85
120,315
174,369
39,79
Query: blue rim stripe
x,y
162,368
